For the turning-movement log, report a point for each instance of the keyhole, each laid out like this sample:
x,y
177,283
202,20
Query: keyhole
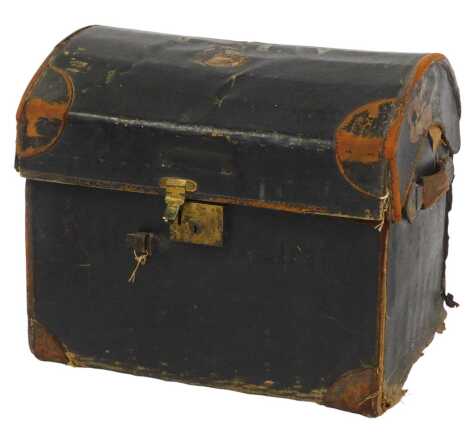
x,y
195,229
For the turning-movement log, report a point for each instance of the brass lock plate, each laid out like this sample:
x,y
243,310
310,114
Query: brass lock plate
x,y
199,223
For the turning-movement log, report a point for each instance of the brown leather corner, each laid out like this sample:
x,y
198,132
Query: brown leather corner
x,y
44,345
355,391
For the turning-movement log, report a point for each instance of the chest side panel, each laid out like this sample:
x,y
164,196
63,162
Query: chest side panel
x,y
415,309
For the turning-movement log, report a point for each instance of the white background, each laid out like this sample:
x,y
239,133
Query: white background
x,y
51,401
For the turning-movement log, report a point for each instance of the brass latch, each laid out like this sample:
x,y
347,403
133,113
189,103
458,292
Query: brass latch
x,y
191,222
175,195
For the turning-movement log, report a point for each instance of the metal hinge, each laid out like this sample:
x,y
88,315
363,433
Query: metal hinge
x,y
175,195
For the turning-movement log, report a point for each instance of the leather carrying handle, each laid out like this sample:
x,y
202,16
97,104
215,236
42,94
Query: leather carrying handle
x,y
437,184
430,189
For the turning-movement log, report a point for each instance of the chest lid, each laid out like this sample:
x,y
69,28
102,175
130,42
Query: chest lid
x,y
301,129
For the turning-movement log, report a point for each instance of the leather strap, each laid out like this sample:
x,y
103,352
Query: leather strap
x,y
430,189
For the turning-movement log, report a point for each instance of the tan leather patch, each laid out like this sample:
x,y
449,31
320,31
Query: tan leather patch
x,y
43,111
359,137
360,141
221,57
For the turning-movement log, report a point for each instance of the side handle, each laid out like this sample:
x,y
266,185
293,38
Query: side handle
x,y
428,190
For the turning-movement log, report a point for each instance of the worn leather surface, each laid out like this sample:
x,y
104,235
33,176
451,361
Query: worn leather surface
x,y
245,120
288,299
415,283
303,306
